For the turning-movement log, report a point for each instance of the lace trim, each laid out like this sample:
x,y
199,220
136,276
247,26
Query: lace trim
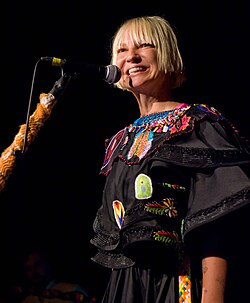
x,y
233,202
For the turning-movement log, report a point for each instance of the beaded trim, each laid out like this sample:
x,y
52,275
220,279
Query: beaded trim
x,y
149,119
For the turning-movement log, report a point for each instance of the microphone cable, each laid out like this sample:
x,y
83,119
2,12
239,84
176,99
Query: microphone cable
x,y
29,103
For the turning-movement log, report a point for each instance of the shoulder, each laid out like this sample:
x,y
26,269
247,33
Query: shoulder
x,y
116,138
200,111
217,124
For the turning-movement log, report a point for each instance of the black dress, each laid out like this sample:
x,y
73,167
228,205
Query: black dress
x,y
169,176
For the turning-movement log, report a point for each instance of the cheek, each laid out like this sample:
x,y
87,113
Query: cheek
x,y
118,64
120,60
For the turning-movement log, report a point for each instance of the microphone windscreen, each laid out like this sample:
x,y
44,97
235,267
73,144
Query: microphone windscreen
x,y
113,74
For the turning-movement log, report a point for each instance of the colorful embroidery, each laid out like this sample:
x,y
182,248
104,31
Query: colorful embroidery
x,y
143,187
119,212
141,145
173,186
169,238
172,239
165,207
180,125
146,126
160,122
209,109
185,282
184,289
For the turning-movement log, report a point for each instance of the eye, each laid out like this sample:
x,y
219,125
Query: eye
x,y
143,45
121,50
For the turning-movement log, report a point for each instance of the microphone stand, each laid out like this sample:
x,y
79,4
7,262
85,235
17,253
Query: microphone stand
x,y
29,105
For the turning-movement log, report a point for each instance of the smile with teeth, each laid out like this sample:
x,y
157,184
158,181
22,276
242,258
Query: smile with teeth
x,y
135,69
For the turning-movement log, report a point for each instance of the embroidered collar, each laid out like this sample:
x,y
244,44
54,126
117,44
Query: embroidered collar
x,y
157,121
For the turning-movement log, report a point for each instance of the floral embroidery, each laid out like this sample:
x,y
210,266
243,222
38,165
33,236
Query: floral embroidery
x,y
165,207
169,238
180,125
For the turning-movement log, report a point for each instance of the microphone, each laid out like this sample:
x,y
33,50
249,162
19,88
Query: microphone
x,y
109,73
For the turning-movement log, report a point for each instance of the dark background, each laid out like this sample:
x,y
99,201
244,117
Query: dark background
x,y
51,198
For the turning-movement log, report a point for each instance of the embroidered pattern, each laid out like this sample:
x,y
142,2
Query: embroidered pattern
x,y
176,187
165,207
172,238
163,121
185,282
168,121
180,125
167,237
209,109
143,187
119,212
141,145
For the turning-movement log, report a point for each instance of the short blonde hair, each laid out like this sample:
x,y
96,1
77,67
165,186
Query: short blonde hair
x,y
158,32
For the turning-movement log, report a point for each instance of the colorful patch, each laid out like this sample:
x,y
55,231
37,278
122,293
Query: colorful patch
x,y
143,187
141,145
119,212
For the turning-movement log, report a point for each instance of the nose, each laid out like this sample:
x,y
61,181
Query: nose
x,y
133,56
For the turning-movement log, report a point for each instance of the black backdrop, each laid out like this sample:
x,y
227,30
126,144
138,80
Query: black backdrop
x,y
53,194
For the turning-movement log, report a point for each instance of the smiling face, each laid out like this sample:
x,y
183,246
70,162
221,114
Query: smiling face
x,y
138,64
146,51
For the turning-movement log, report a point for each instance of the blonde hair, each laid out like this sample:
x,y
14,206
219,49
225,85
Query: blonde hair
x,y
158,32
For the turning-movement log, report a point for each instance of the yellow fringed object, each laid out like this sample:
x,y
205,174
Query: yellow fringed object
x,y
185,282
36,121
